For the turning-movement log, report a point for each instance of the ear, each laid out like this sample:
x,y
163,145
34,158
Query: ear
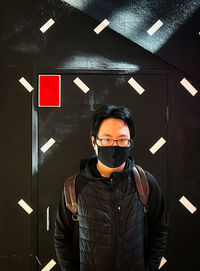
x,y
92,141
94,145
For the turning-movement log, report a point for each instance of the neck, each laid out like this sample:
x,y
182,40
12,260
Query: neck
x,y
107,171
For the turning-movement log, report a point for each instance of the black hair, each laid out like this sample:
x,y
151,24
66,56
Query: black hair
x,y
112,111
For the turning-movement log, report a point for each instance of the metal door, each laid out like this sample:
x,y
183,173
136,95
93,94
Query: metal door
x,y
69,126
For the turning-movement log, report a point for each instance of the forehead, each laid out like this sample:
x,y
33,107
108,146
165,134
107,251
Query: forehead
x,y
114,128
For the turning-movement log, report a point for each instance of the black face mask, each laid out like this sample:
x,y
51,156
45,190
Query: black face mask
x,y
113,156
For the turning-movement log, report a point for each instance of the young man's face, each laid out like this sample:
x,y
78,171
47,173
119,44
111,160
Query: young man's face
x,y
111,128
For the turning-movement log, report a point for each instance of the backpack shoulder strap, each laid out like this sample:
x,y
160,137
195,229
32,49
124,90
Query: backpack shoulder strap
x,y
70,196
142,185
140,181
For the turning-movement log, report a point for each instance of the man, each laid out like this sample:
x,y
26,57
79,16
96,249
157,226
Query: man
x,y
111,233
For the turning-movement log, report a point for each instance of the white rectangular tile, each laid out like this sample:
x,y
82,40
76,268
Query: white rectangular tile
x,y
188,204
101,26
136,86
162,262
81,85
26,84
25,206
188,86
47,145
157,145
154,27
47,25
48,222
49,266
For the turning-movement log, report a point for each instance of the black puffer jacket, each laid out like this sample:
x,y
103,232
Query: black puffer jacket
x,y
111,232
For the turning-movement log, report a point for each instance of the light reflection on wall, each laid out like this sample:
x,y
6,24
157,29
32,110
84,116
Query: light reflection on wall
x,y
88,62
132,19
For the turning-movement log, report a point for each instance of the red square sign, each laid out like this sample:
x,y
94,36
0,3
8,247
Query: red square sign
x,y
49,91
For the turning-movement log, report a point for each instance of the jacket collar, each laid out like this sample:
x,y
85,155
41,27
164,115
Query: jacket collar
x,y
90,171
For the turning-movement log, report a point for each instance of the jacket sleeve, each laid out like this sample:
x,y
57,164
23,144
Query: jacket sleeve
x,y
63,237
157,227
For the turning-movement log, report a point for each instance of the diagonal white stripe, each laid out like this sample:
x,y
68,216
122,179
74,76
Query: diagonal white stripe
x,y
81,85
26,84
188,204
47,145
49,266
47,25
188,86
25,206
157,145
162,262
136,86
101,26
154,27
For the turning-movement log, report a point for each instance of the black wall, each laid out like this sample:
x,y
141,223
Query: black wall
x,y
70,46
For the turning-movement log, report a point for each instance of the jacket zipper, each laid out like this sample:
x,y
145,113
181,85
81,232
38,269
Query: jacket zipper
x,y
119,220
113,232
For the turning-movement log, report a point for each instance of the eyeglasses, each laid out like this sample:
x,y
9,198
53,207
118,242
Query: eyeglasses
x,y
123,142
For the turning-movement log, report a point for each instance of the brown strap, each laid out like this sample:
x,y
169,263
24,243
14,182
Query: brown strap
x,y
70,195
141,184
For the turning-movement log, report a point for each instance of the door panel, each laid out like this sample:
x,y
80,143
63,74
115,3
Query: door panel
x,y
69,126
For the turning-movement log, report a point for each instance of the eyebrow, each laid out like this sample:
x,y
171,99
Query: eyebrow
x,y
111,136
